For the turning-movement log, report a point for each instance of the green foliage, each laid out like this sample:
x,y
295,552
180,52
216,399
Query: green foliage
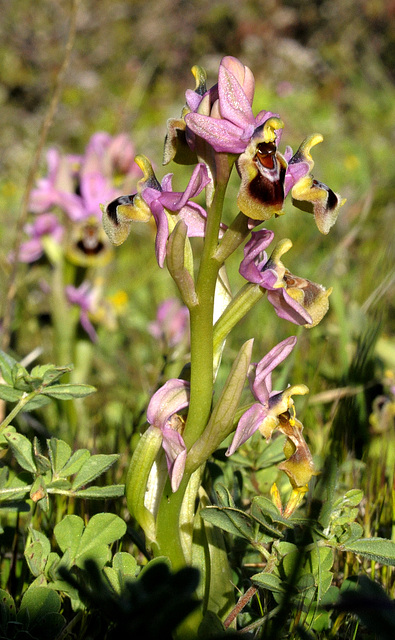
x,y
327,69
367,600
79,545
32,390
62,472
38,616
148,607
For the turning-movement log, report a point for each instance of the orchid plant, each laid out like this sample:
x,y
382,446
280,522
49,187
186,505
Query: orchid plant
x,y
65,232
186,420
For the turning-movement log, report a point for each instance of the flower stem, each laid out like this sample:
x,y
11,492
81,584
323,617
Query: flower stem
x,y
243,301
168,518
168,542
202,315
233,237
18,407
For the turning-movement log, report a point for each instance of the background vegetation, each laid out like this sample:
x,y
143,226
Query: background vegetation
x,y
325,66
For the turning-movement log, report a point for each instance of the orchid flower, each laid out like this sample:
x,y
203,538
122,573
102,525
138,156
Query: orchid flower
x,y
223,118
171,326
161,202
275,410
295,299
77,184
84,297
45,225
264,413
162,413
230,123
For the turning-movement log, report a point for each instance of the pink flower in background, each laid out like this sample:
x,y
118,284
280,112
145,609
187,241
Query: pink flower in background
x,y
172,323
45,225
77,184
84,297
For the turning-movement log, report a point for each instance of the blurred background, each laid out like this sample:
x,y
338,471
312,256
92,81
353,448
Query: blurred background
x,y
325,66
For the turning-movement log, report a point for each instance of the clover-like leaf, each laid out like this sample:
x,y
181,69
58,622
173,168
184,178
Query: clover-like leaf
x,y
39,613
124,567
37,552
90,542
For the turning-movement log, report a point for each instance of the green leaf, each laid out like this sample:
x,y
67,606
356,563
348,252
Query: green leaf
x,y
352,498
59,453
7,611
9,394
266,512
50,374
17,488
101,530
224,496
37,552
231,520
3,477
178,248
109,491
42,462
21,378
36,403
3,441
75,463
93,467
90,542
22,450
377,549
39,612
7,363
221,422
268,581
319,559
68,533
124,565
59,485
68,391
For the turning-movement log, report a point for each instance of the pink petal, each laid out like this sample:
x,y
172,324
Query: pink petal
x,y
168,400
248,424
176,453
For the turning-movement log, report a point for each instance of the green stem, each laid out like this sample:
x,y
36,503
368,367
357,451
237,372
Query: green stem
x,y
18,407
233,237
167,524
64,317
201,317
243,301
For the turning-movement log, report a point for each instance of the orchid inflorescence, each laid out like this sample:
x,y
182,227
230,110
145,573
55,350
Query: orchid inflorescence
x,y
216,131
66,223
